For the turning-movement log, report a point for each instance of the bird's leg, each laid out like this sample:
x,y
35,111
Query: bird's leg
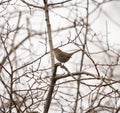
x,y
62,66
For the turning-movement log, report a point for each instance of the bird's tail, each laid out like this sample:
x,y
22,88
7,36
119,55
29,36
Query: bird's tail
x,y
75,51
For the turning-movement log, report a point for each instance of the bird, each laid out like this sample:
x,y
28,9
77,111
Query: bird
x,y
62,56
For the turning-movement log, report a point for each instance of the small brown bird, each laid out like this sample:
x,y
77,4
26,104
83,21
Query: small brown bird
x,y
63,56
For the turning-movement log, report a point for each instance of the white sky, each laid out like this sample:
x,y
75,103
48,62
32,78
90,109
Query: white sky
x,y
112,9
